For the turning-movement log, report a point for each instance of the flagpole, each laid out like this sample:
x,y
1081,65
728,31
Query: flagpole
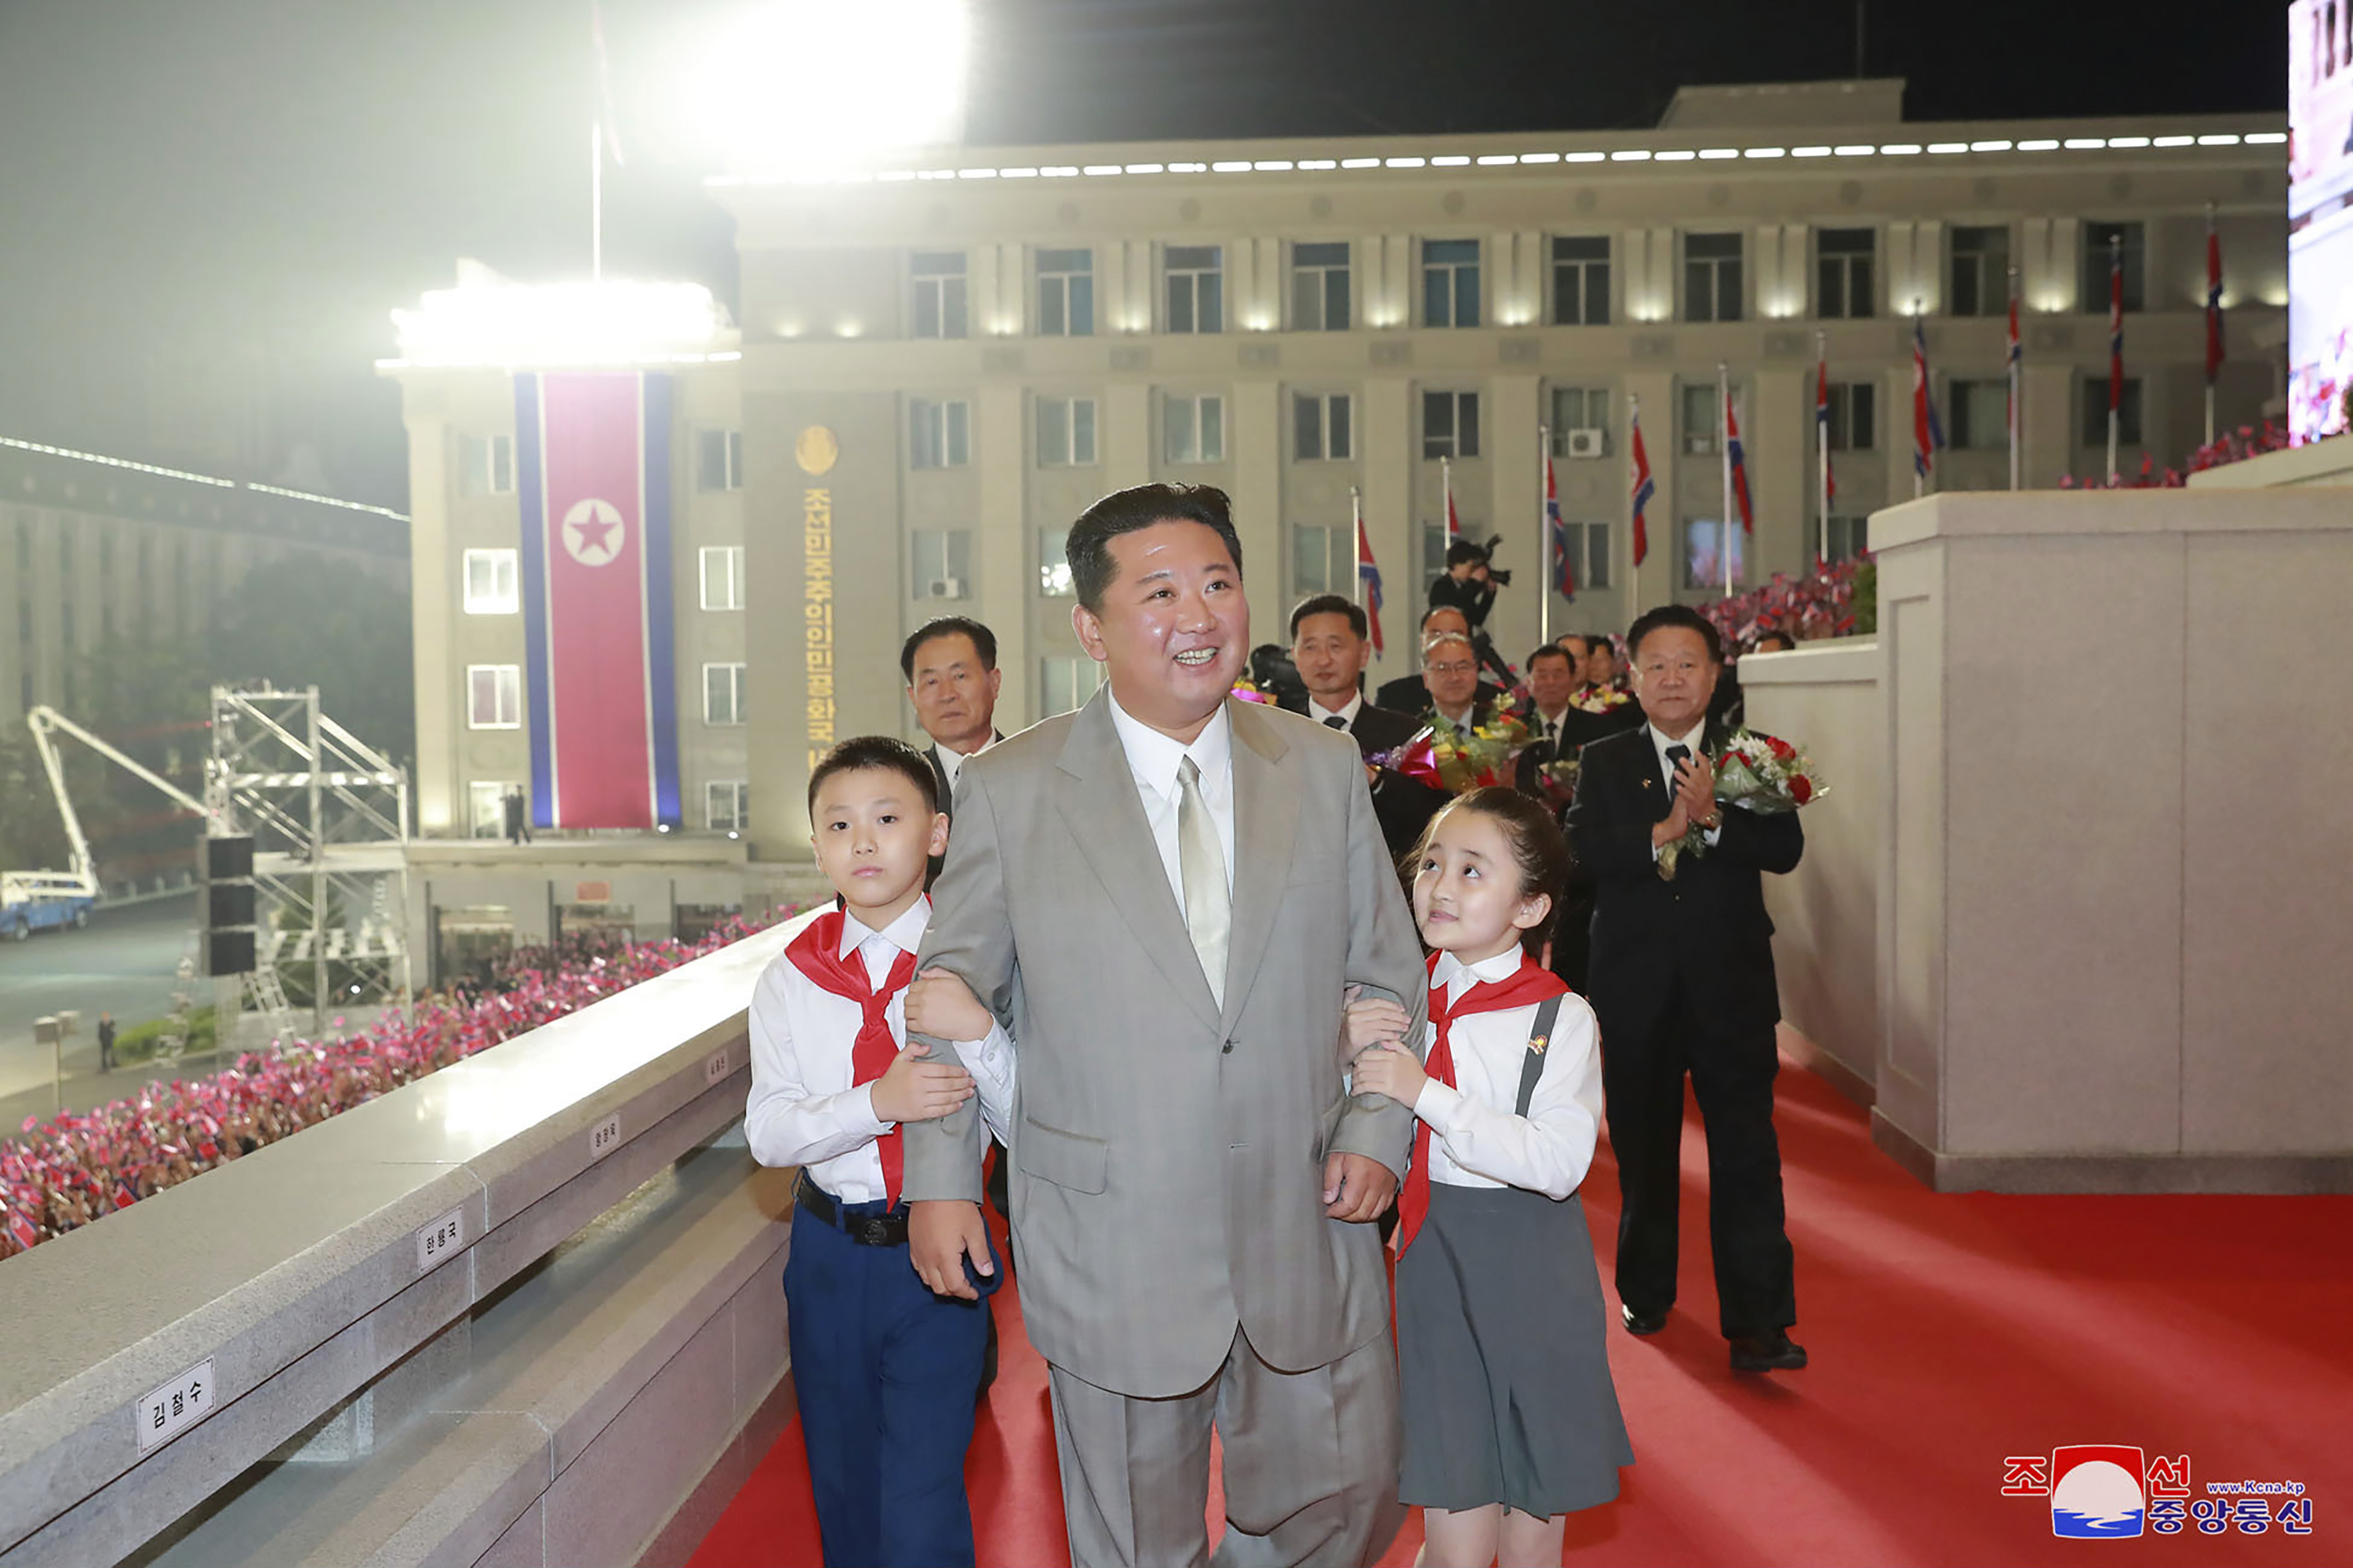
x,y
1919,392
2116,346
2214,282
1723,448
1544,532
2017,387
1822,456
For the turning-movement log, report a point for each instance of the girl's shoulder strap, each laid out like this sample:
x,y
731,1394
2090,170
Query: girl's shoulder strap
x,y
1532,1064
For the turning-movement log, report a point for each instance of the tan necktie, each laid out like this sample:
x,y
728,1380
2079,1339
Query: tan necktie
x,y
1209,906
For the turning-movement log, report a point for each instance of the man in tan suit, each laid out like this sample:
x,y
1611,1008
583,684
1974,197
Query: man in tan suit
x,y
1166,895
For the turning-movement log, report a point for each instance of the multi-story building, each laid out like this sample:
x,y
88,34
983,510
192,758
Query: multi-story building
x,y
936,370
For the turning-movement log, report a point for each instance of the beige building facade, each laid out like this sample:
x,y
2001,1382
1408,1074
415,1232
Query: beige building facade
x,y
932,370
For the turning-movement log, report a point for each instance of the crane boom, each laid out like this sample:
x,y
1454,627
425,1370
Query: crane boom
x,y
44,721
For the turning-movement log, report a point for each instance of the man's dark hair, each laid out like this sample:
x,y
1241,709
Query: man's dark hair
x,y
1545,650
1436,610
1331,604
984,641
883,751
1783,638
1680,615
1464,550
1088,548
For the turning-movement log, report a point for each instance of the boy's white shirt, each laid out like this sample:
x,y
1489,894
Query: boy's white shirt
x,y
803,1108
1476,1140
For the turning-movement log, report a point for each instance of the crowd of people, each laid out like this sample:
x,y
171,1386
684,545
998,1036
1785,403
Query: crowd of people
x,y
1140,955
71,1170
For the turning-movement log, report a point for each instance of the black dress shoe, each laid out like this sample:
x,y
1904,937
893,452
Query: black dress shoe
x,y
1771,1352
1640,1322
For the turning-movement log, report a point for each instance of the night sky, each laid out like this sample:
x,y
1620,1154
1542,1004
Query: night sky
x,y
201,194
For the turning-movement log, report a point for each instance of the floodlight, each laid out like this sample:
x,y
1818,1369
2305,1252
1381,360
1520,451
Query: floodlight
x,y
486,319
793,88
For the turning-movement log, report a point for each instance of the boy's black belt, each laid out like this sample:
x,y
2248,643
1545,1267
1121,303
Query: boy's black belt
x,y
867,1230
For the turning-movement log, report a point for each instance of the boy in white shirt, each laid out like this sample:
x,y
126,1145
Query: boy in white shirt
x,y
885,1372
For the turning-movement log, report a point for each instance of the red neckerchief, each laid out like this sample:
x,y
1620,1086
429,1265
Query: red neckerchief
x,y
816,953
1530,983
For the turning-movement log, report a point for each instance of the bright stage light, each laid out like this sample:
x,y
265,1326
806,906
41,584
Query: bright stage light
x,y
794,88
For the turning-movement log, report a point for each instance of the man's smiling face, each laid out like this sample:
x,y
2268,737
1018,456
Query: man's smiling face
x,y
1174,628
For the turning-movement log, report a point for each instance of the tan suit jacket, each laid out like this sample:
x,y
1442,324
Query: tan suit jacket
x,y
1168,1153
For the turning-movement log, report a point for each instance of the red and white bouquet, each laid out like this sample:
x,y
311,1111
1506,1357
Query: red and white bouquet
x,y
1755,772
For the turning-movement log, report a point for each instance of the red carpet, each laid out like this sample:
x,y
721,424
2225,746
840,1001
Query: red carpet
x,y
1948,1333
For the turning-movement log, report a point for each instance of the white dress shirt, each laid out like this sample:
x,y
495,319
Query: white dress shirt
x,y
952,761
1346,716
804,1110
1155,758
1660,741
1476,1139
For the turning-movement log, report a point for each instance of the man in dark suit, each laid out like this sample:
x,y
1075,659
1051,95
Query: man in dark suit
x,y
1683,982
950,664
1409,693
1329,649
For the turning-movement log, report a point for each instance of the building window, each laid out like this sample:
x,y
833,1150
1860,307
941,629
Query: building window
x,y
1320,426
1066,432
486,465
1712,277
1322,560
1980,271
1197,282
1842,273
1449,425
1848,536
719,459
2096,412
1580,280
939,292
1193,429
1433,552
1854,407
1054,579
1702,566
490,582
485,806
1066,294
1450,282
1065,683
2097,239
1702,415
1319,287
939,433
493,696
1589,554
1980,413
722,695
722,576
942,563
727,805
1581,423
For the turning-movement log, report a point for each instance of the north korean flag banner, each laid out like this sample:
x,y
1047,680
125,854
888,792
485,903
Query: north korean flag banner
x,y
600,692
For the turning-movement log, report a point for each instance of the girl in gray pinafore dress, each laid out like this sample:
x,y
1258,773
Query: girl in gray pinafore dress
x,y
1511,1418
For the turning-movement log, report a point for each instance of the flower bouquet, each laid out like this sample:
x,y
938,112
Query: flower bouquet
x,y
1599,700
1757,772
1446,758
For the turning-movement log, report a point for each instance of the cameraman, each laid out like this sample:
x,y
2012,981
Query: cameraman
x,y
1468,582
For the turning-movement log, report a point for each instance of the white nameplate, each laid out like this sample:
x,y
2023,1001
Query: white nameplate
x,y
437,1241
714,1069
604,1137
177,1406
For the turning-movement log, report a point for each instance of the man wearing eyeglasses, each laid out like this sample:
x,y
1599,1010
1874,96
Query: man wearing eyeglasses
x,y
1681,976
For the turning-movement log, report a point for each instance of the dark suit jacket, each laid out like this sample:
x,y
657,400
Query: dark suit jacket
x,y
1402,805
1407,695
1710,920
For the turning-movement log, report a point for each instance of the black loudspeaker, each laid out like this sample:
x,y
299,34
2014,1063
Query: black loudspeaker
x,y
226,858
230,904
228,953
